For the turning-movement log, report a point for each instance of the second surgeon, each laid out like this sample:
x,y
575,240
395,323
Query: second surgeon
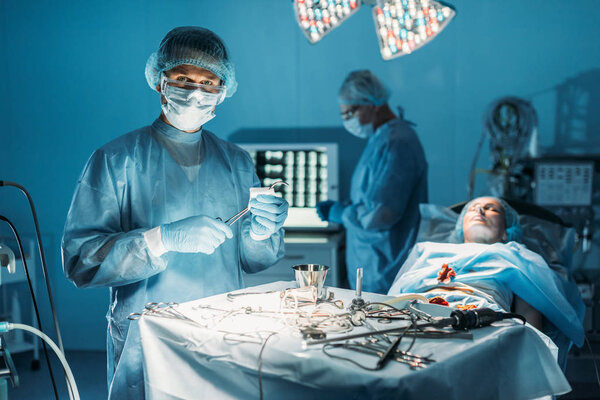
x,y
390,180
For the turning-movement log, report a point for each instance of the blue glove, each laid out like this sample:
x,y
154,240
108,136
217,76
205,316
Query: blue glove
x,y
335,213
323,208
268,215
198,234
330,210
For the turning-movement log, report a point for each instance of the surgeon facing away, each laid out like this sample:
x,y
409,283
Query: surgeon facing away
x,y
390,180
145,219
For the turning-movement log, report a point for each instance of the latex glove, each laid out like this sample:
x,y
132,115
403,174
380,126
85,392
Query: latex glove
x,y
330,210
268,215
197,234
323,208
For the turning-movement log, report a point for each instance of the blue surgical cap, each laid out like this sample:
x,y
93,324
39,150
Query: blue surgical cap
x,y
195,46
511,221
363,88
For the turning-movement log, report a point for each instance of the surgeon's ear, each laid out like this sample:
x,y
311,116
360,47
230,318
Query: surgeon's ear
x,y
504,237
163,100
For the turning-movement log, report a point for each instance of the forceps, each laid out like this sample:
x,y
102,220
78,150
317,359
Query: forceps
x,y
162,310
150,308
233,219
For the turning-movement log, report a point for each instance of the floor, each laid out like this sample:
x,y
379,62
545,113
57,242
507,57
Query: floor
x,y
583,370
89,369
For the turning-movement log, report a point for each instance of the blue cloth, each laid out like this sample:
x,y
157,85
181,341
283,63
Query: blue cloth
x,y
489,276
134,184
389,182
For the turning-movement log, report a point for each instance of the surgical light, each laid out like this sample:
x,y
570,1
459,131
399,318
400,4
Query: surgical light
x,y
402,26
319,17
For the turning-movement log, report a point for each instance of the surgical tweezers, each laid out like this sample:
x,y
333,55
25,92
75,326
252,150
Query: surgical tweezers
x,y
236,217
232,220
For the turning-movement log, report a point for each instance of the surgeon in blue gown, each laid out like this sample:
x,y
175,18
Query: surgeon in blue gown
x,y
390,180
145,219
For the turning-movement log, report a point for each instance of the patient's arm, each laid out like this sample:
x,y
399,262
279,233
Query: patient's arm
x,y
533,316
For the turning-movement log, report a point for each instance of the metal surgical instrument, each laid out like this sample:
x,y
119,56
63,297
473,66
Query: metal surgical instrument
x,y
357,301
162,310
234,218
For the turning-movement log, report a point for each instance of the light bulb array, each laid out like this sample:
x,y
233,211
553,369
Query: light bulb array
x,y
405,25
319,17
402,26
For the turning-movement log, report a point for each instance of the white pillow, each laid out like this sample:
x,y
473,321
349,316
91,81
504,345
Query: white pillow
x,y
437,224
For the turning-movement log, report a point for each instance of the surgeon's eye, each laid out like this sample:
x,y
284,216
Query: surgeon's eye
x,y
349,113
207,82
184,79
181,81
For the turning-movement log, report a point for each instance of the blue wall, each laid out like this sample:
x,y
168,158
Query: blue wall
x,y
73,79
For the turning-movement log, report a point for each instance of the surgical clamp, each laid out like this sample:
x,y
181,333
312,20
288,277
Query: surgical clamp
x,y
233,219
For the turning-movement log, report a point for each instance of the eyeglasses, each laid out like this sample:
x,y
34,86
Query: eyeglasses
x,y
185,90
349,113
192,86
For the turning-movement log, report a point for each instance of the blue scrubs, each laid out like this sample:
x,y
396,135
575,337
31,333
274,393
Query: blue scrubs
x,y
382,221
134,184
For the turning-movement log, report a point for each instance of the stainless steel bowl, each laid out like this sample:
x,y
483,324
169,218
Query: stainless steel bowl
x,y
311,275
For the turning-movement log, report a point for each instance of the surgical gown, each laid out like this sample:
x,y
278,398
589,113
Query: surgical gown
x,y
133,184
382,220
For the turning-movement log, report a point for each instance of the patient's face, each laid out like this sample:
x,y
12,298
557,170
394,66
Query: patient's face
x,y
484,221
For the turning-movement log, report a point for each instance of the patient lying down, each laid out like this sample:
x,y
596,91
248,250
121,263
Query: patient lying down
x,y
491,269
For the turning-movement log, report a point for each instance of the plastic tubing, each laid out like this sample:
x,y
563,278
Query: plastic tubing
x,y
61,357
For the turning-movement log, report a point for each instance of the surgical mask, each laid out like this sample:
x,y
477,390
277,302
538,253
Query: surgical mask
x,y
353,126
189,106
185,116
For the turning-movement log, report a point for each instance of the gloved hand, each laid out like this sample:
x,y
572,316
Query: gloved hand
x,y
268,215
330,210
197,234
323,208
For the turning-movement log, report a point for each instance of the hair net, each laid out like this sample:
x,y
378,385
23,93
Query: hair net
x,y
511,221
195,46
363,88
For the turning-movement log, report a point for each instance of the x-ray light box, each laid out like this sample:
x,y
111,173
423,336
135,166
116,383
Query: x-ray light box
x,y
310,170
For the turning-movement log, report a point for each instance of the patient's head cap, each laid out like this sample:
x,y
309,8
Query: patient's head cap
x,y
511,221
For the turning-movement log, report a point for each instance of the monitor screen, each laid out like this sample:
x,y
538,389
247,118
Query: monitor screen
x,y
309,169
563,183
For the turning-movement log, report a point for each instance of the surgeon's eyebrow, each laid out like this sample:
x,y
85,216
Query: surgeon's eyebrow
x,y
188,70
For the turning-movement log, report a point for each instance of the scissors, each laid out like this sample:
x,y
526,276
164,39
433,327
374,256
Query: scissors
x,y
233,219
